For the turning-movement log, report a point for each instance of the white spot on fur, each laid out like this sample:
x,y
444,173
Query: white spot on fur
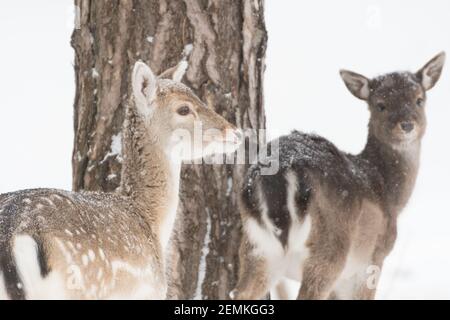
x,y
67,255
91,255
71,246
119,265
102,254
85,260
56,197
49,202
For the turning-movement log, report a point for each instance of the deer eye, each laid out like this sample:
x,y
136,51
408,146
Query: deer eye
x,y
184,111
420,102
381,107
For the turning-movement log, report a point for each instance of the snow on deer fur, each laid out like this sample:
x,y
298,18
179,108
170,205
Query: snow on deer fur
x,y
328,219
92,245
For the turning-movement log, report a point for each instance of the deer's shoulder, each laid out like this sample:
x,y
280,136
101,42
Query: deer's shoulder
x,y
299,149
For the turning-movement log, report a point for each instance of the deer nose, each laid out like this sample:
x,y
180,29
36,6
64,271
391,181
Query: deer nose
x,y
407,126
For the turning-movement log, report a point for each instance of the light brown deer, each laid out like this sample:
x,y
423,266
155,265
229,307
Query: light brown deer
x,y
328,219
91,245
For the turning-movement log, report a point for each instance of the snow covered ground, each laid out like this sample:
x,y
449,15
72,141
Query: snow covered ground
x,y
308,43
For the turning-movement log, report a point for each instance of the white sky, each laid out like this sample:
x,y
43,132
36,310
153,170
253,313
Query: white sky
x,y
38,88
309,41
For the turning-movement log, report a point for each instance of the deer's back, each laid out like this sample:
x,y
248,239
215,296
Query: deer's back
x,y
318,162
98,238
313,154
58,211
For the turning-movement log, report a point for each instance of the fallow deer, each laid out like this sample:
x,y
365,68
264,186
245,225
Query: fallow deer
x,y
93,245
327,218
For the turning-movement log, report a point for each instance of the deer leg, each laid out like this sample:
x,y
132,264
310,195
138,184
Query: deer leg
x,y
282,290
365,293
254,279
367,288
333,296
323,267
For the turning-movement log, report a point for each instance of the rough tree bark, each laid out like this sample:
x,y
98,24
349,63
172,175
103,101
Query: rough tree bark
x,y
224,42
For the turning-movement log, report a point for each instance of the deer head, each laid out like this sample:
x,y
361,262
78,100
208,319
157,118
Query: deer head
x,y
176,118
396,101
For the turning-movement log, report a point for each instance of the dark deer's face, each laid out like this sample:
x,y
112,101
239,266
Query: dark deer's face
x,y
396,101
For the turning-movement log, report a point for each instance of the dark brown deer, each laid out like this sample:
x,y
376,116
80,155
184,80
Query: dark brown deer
x,y
93,245
327,218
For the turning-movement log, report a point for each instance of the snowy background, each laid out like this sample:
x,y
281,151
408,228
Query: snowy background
x,y
308,43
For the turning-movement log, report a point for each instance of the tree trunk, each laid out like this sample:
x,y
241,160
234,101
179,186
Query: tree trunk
x,y
224,44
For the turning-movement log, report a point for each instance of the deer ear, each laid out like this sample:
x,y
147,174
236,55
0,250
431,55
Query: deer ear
x,y
144,87
356,83
175,73
431,72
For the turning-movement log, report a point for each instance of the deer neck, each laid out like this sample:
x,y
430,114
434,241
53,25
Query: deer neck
x,y
398,168
150,177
